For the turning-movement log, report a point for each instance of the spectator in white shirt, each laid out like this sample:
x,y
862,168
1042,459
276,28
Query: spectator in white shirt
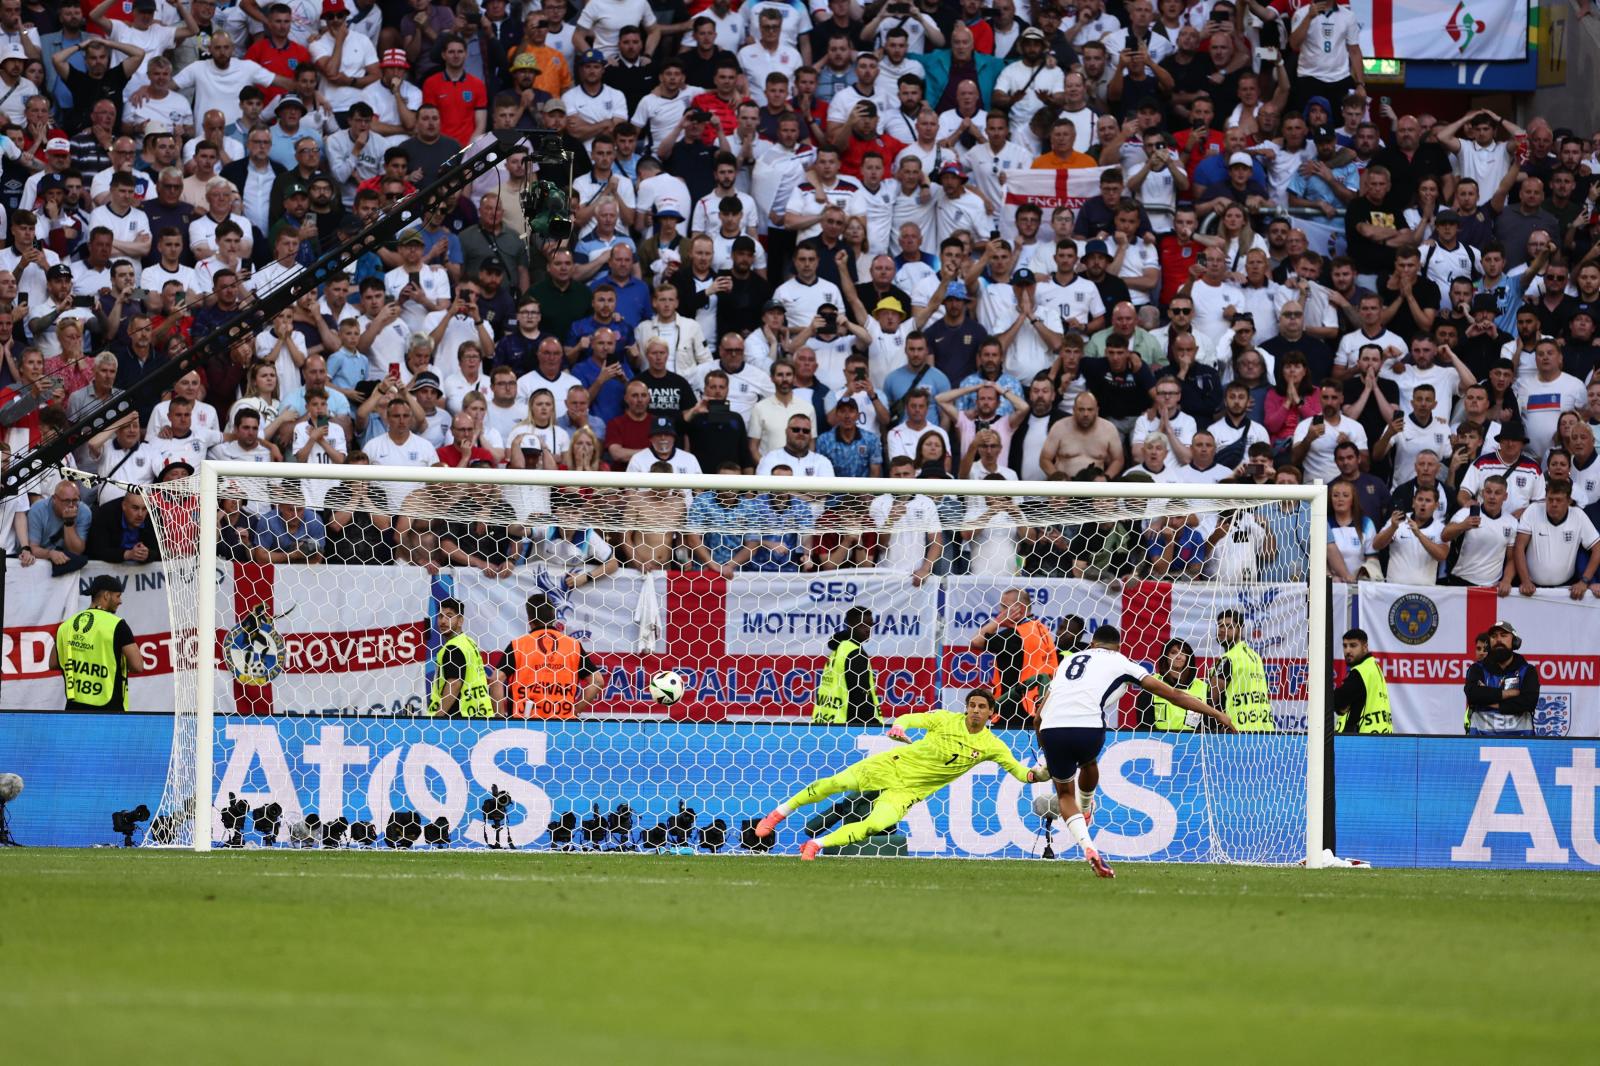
x,y
1203,468
1549,535
903,438
1238,544
1164,418
203,416
1411,435
348,62
1215,298
1428,364
1547,395
1524,478
603,21
1154,463
216,82
1369,311
663,448
130,227
1350,534
769,54
356,154
797,453
1316,438
400,447
1415,541
804,293
318,439
179,440
909,525
768,421
1487,532
419,288
992,547
467,378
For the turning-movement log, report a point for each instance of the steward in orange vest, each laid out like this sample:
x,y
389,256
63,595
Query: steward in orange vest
x,y
1025,657
546,673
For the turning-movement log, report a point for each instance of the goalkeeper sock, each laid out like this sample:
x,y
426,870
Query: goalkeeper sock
x,y
1078,830
850,833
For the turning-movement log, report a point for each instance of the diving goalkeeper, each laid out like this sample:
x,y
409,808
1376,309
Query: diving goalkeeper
x,y
951,745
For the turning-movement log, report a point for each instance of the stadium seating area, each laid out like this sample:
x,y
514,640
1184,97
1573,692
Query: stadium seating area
x,y
795,253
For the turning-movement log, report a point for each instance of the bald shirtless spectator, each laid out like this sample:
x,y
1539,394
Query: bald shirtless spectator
x,y
1083,440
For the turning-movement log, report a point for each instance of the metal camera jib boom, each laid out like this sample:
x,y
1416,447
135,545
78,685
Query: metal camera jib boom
x,y
545,206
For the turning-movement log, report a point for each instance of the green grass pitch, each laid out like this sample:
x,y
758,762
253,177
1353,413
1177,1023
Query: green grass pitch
x,y
148,957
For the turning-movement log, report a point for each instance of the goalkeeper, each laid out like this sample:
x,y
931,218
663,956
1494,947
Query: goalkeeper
x,y
951,745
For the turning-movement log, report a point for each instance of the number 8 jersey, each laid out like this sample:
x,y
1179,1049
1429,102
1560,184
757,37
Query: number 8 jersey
x,y
1085,685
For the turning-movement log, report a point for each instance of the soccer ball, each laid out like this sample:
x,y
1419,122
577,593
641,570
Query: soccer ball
x,y
666,688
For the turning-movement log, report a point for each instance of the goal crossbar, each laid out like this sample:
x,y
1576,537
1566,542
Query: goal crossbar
x,y
857,486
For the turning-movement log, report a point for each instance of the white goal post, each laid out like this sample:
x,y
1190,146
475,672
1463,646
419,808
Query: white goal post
x,y
190,530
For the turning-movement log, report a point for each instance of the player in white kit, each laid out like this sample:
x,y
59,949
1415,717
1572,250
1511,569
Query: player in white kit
x,y
1072,726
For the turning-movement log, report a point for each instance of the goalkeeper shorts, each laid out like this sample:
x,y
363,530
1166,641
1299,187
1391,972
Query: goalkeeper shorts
x,y
1069,747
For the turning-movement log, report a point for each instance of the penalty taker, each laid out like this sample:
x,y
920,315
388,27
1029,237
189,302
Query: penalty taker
x,y
1072,726
951,745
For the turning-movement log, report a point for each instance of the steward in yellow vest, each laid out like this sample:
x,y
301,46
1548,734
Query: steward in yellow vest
x,y
95,651
848,691
460,683
1363,691
1239,678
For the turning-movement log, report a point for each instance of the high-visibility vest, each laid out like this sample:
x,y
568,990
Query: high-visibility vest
x,y
544,675
1172,718
90,665
1039,661
1374,717
472,701
832,702
1248,704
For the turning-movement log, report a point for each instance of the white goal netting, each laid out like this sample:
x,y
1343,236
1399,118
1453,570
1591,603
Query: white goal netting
x,y
328,651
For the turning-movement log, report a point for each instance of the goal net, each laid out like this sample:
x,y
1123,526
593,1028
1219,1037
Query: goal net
x,y
314,614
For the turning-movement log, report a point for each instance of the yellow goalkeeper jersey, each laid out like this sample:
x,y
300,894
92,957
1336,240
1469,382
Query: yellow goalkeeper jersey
x,y
945,752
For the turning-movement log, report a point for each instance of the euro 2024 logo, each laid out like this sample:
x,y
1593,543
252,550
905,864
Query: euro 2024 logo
x,y
254,650
1414,618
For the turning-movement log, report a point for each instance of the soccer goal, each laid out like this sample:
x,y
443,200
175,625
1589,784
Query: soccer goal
x,y
324,697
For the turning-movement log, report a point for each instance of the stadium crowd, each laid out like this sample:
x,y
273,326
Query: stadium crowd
x,y
787,260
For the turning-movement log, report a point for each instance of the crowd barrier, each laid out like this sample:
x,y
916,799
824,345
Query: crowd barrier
x,y
1423,638
751,647
360,640
1401,801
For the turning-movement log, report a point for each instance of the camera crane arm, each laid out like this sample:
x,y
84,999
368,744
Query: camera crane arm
x,y
543,199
